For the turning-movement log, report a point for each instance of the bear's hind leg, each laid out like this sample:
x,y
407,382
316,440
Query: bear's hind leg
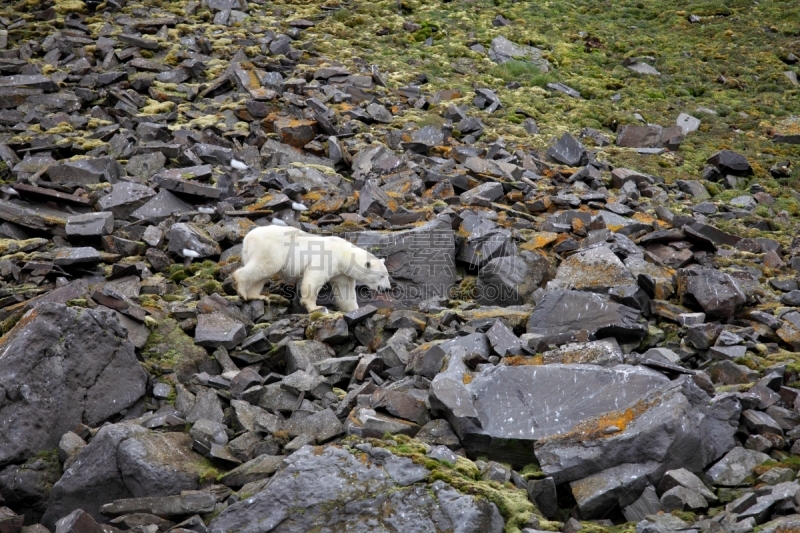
x,y
309,289
250,281
344,293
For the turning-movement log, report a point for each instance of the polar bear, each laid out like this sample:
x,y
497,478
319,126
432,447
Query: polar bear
x,y
312,259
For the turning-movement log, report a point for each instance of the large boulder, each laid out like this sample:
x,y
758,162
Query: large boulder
x,y
61,366
563,316
125,461
421,261
612,457
511,280
334,490
505,409
716,293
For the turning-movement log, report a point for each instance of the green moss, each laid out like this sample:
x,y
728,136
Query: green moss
x,y
465,477
208,472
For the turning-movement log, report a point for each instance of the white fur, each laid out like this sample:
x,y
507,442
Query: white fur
x,y
312,259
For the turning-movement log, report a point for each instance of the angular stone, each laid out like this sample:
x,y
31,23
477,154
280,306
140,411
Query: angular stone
x,y
163,205
186,504
646,504
512,280
564,314
252,471
366,423
603,353
322,425
86,171
730,162
60,368
78,521
717,293
125,198
219,329
675,426
732,469
542,492
568,150
349,483
190,237
682,499
90,225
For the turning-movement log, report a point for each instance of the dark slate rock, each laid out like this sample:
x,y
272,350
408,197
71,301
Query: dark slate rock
x,y
730,162
569,151
562,314
421,261
183,236
74,256
321,484
717,293
611,460
94,478
161,206
732,469
60,368
219,329
125,198
90,225
503,340
542,492
252,471
188,503
512,280
86,171
505,408
78,521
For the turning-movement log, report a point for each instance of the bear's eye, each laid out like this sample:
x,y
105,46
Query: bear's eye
x,y
368,264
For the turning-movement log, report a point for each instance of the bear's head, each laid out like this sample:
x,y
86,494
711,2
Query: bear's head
x,y
370,271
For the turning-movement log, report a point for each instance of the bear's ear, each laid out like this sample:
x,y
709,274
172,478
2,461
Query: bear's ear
x,y
368,264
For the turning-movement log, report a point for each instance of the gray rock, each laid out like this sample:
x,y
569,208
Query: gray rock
x,y
206,406
421,261
673,426
366,423
219,329
569,151
512,280
75,256
732,469
125,198
184,236
730,162
717,293
185,504
602,353
687,123
617,485
60,366
161,206
322,425
208,432
695,188
503,50
542,492
503,340
442,453
684,478
682,499
646,504
504,409
90,225
94,479
86,171
78,521
257,469
69,447
315,488
561,314
158,464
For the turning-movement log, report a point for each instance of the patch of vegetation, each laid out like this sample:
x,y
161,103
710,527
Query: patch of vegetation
x,y
524,72
465,477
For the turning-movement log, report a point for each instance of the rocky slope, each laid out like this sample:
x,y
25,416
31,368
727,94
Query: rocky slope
x,y
588,214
